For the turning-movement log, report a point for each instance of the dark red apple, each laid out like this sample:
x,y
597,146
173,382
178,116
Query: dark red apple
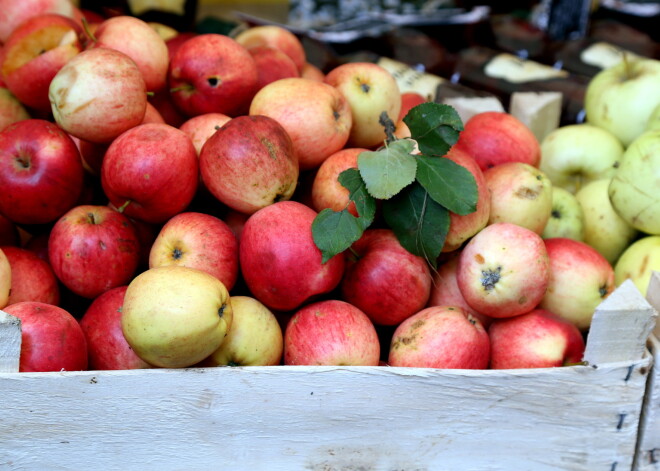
x,y
32,278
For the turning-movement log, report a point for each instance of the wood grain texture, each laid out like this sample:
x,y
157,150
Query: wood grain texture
x,y
10,343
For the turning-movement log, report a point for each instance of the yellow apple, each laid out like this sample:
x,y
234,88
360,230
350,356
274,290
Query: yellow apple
x,y
255,337
175,316
638,261
5,279
566,216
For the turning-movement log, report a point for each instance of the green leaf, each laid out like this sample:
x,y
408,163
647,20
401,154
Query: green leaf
x,y
420,224
387,171
364,202
335,231
434,126
449,184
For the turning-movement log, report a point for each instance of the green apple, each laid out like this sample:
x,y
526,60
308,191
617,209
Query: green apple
x,y
5,279
576,154
255,337
175,316
604,229
638,262
621,98
566,216
634,189
654,119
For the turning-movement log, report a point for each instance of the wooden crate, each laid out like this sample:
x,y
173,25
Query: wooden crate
x,y
648,453
337,418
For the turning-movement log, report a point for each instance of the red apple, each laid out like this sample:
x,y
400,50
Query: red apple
x,y
164,104
384,280
408,101
197,240
98,94
580,279
41,173
151,172
316,116
249,163
504,270
462,227
236,221
139,41
440,337
199,128
174,43
106,346
34,52
538,339
494,137
93,249
331,333
13,13
212,73
277,37
272,64
279,261
310,71
11,109
91,154
51,337
32,278
327,192
152,115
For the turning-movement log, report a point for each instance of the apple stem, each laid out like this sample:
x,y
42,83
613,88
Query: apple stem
x,y
626,65
123,206
150,93
88,31
180,88
388,125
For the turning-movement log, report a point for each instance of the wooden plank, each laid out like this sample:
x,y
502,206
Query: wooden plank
x,y
10,343
324,418
620,326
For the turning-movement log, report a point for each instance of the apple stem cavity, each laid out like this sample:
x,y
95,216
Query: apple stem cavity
x,y
221,310
186,87
489,278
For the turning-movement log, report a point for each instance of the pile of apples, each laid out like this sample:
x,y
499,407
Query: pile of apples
x,y
158,189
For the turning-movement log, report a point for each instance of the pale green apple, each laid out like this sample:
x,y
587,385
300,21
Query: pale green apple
x,y
635,187
566,217
638,262
604,229
621,98
654,120
576,154
5,279
255,337
175,316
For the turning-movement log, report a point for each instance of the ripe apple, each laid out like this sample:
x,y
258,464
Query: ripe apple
x,y
51,338
41,173
494,137
630,88
139,41
151,172
174,43
212,73
519,194
272,64
604,229
13,13
316,116
199,128
580,279
164,31
11,109
5,279
332,333
164,104
255,337
462,227
91,155
440,337
538,339
576,154
310,71
327,192
106,346
370,90
32,278
175,316
152,115
384,280
93,249
197,240
34,52
638,262
567,219
504,270
634,187
445,290
408,101
654,119
98,94
249,163
277,37
279,260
